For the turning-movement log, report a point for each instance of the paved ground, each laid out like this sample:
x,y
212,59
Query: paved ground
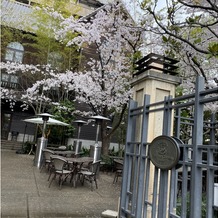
x,y
25,192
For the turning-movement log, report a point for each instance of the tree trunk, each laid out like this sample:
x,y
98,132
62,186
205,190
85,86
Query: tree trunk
x,y
106,135
105,139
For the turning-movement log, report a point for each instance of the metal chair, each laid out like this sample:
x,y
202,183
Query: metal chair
x,y
62,147
90,174
60,170
118,171
47,159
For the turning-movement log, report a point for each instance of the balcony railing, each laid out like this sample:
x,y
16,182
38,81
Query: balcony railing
x,y
16,14
19,15
9,85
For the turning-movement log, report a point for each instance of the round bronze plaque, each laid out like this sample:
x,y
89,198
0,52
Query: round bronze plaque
x,y
164,152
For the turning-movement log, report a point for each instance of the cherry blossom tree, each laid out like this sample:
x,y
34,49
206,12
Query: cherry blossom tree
x,y
103,81
188,31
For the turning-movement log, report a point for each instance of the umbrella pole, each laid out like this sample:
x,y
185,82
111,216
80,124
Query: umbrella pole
x,y
41,144
44,128
77,142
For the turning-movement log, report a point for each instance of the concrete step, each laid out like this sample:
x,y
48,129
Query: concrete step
x,y
11,145
109,213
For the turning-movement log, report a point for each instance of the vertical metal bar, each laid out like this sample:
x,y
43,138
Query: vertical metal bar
x,y
212,130
147,176
173,190
184,196
210,172
144,135
167,116
155,194
129,179
163,190
177,122
124,199
196,178
210,184
135,179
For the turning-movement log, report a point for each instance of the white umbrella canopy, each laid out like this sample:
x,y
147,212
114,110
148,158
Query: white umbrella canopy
x,y
45,114
51,121
99,117
80,122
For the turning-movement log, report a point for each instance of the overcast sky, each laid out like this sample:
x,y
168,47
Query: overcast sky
x,y
134,9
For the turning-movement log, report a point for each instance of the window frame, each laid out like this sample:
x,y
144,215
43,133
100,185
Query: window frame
x,y
14,52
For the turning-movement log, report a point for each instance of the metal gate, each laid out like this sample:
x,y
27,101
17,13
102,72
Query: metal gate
x,y
188,189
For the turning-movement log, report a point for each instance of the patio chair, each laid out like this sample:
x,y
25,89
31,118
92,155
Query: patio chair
x,y
61,170
90,174
46,159
118,171
62,147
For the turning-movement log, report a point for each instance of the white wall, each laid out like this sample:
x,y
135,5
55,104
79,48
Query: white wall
x,y
21,138
87,143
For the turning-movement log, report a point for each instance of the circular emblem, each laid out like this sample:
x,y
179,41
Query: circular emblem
x,y
164,152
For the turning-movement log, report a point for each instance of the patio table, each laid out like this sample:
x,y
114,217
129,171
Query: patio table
x,y
79,159
56,148
114,159
64,153
119,161
77,163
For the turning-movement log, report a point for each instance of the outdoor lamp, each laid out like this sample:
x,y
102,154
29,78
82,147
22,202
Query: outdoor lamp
x,y
41,143
97,148
98,119
109,127
45,118
80,123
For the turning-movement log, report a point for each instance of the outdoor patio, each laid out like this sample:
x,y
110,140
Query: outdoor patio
x,y
25,192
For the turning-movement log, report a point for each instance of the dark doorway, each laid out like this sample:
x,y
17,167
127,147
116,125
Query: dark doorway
x,y
5,125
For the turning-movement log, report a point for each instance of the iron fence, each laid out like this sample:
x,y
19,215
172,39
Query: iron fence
x,y
188,189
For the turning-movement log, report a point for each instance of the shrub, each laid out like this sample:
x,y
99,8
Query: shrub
x,y
27,147
203,206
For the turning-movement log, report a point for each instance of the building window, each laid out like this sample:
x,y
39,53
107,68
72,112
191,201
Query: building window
x,y
9,81
14,52
5,77
14,79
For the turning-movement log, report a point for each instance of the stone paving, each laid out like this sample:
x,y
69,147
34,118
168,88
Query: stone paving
x,y
25,192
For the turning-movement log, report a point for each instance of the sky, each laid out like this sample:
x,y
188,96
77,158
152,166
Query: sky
x,y
134,9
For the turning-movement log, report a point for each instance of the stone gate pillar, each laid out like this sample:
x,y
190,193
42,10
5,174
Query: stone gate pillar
x,y
156,77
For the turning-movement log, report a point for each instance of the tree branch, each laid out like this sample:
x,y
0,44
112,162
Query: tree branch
x,y
119,121
177,37
212,8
